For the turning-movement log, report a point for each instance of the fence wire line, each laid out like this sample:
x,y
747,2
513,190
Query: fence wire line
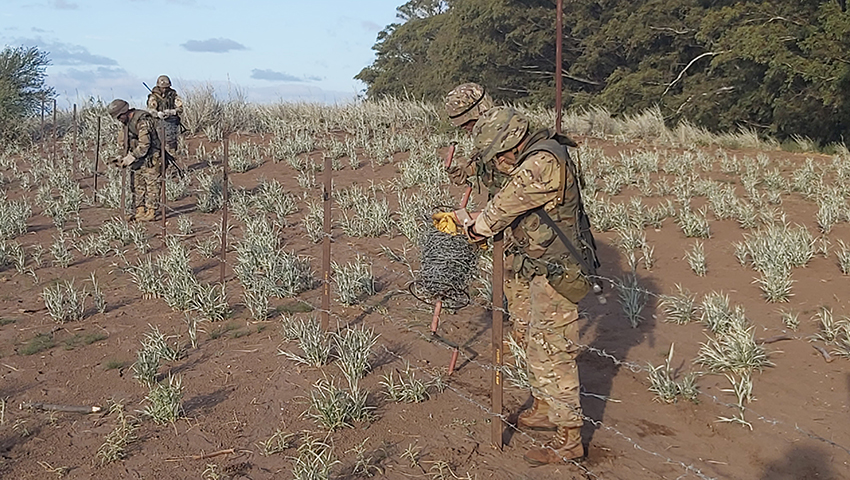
x,y
633,367
504,418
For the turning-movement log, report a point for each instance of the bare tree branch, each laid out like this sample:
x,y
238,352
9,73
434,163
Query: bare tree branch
x,y
682,73
533,70
673,30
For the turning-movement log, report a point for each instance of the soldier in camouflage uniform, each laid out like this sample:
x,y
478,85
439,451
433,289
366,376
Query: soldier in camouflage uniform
x,y
165,104
144,159
464,105
547,281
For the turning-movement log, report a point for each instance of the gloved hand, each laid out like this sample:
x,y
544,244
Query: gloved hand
x,y
161,115
446,222
171,112
128,160
459,172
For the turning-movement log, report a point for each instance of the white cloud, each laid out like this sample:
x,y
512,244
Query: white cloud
x,y
63,5
61,53
213,45
274,76
106,83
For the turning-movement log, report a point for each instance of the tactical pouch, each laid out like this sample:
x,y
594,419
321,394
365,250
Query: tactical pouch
x,y
570,283
565,277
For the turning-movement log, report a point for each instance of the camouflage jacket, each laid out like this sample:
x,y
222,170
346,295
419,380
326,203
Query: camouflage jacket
x,y
164,99
144,141
540,180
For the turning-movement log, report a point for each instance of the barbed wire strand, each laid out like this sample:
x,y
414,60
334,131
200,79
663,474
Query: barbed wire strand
x,y
632,366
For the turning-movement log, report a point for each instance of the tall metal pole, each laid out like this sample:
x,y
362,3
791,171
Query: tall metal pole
x,y
326,245
96,157
124,173
559,47
225,188
162,175
498,306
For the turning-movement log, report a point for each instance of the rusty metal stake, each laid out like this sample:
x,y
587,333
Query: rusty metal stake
x,y
326,244
559,47
124,174
453,361
225,188
498,306
96,157
162,172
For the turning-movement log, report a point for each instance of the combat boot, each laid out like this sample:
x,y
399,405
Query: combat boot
x,y
536,417
140,212
147,215
564,447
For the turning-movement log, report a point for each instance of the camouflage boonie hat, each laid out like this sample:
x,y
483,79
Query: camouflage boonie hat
x,y
163,81
466,103
498,130
117,107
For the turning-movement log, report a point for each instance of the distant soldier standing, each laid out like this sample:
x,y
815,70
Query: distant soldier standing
x,y
165,104
541,212
145,158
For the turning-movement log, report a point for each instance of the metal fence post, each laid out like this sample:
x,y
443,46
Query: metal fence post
x,y
326,244
74,139
225,188
162,196
559,48
498,306
41,132
96,157
54,131
124,174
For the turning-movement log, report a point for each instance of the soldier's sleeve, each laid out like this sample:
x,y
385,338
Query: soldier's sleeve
x,y
178,104
144,145
152,104
533,185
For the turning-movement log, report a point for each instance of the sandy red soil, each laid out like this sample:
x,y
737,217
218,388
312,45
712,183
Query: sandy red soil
x,y
238,390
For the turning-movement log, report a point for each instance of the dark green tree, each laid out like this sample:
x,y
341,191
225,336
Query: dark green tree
x,y
777,66
22,87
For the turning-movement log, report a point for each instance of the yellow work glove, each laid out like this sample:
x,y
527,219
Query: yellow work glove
x,y
446,222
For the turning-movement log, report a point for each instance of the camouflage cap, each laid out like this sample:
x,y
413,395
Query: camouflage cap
x,y
117,107
498,130
163,81
466,103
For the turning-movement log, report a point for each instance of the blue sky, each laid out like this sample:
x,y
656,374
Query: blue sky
x,y
272,50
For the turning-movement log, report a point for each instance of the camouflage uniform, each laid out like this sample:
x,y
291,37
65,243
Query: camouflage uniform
x,y
163,102
539,262
464,105
145,147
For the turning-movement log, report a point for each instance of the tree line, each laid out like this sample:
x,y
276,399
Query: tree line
x,y
781,67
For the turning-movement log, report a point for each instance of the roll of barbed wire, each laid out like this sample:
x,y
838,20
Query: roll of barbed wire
x,y
447,265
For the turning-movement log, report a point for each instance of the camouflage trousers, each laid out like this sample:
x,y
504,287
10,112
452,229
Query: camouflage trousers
x,y
145,185
549,324
172,132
